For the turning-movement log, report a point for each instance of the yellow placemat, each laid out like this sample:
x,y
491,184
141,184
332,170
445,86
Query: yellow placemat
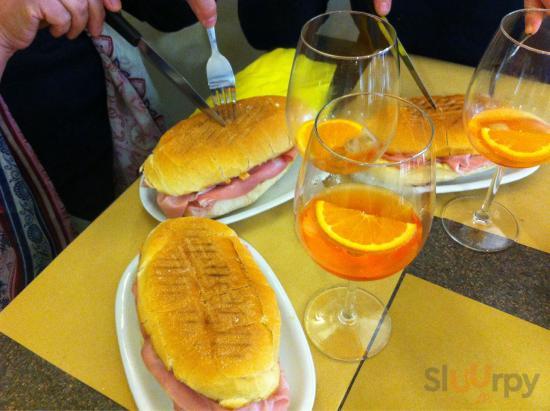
x,y
450,352
268,75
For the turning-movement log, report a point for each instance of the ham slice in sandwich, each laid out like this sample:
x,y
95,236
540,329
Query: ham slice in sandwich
x,y
186,399
202,203
200,168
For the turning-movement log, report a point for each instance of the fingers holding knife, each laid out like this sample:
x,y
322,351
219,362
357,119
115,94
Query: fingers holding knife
x,y
72,17
20,19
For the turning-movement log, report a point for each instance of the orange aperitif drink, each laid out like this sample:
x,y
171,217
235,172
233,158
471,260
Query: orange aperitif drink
x,y
360,218
510,137
360,232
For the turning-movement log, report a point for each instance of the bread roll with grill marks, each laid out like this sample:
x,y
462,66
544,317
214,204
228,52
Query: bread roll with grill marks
x,y
450,140
449,134
210,314
197,152
449,118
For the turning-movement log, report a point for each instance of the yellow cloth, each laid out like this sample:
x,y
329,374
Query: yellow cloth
x,y
261,79
268,75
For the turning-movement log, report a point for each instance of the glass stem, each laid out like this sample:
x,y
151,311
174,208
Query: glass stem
x,y
482,215
348,314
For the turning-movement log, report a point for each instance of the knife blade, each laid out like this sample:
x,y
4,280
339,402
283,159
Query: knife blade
x,y
132,36
409,63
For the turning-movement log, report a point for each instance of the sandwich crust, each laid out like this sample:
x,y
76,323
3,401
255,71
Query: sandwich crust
x,y
197,152
449,135
212,318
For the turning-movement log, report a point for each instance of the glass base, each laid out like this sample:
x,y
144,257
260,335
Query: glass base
x,y
347,339
499,234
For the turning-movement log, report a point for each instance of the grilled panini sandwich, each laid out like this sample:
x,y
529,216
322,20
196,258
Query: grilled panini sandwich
x,y
210,320
200,168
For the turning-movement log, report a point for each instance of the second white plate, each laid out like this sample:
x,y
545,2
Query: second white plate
x,y
483,179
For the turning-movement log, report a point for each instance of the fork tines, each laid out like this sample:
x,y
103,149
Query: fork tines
x,y
225,101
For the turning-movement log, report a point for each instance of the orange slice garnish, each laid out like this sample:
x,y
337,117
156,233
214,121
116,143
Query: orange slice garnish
x,y
361,231
517,144
335,133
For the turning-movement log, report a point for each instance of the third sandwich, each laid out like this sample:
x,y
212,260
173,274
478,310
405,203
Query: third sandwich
x,y
200,168
454,153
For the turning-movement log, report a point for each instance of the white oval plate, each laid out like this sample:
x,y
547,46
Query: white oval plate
x,y
283,190
279,193
483,179
295,356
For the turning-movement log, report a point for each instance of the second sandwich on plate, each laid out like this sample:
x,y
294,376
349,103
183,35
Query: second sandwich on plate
x,y
200,168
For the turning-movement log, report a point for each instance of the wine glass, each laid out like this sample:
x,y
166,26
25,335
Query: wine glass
x,y
338,53
360,215
506,115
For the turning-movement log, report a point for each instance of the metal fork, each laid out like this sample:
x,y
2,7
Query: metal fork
x,y
221,80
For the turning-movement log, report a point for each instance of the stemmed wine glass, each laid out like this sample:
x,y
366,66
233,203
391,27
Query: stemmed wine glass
x,y
507,118
338,53
362,217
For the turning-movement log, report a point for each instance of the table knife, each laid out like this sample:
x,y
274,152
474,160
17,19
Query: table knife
x,y
133,36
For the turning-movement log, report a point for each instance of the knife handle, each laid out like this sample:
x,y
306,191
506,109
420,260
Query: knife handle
x,y
121,25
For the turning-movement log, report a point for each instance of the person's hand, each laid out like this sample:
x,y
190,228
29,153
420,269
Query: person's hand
x,y
205,10
382,7
533,20
21,19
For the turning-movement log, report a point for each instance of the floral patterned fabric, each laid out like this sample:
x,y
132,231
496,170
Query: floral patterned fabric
x,y
131,99
34,226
